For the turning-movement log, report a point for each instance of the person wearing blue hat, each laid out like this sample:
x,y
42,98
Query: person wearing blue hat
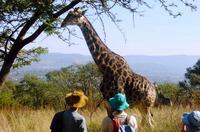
x,y
191,122
117,105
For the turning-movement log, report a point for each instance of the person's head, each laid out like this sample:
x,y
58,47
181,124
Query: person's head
x,y
76,99
118,102
192,121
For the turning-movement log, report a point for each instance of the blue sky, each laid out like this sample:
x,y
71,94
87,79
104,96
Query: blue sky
x,y
156,33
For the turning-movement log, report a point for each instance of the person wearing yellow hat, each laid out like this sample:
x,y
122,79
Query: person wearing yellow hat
x,y
70,120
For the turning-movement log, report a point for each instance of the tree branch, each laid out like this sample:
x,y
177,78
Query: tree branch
x,y
44,25
28,24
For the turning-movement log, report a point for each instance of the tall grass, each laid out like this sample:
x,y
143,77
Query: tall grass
x,y
167,119
25,120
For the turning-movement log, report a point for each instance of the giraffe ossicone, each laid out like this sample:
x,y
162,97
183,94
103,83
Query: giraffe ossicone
x,y
117,75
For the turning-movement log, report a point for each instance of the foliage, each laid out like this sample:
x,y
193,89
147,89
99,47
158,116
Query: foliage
x,y
191,85
196,96
169,90
34,92
83,77
26,57
88,76
76,76
6,94
37,93
192,77
64,78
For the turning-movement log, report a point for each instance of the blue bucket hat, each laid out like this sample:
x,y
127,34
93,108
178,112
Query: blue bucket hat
x,y
192,120
118,102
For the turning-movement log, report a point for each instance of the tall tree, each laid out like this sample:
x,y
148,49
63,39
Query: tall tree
x,y
22,21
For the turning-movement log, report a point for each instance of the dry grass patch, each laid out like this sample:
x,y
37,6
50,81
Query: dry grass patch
x,y
26,120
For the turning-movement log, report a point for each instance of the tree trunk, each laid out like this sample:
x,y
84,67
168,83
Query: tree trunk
x,y
8,62
19,44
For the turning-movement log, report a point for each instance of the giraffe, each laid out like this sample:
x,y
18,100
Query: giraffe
x,y
117,75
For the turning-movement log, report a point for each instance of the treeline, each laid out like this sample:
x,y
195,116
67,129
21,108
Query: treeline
x,y
36,92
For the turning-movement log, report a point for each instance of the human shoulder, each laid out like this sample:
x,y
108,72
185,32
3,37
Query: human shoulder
x,y
107,119
56,121
132,121
107,125
58,114
78,115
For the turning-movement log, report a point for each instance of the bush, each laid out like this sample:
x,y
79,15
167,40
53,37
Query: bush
x,y
6,94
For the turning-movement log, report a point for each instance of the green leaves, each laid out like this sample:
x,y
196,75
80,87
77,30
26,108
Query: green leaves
x,y
27,57
36,92
192,77
169,90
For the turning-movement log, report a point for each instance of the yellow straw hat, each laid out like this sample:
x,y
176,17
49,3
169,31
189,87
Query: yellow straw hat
x,y
76,99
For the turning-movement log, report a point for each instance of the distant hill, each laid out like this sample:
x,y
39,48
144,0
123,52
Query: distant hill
x,y
156,68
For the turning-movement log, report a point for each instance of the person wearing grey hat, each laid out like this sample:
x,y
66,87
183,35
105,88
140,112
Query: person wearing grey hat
x,y
191,122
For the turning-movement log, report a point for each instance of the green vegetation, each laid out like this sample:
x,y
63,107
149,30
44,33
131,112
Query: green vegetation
x,y
35,92
191,85
169,90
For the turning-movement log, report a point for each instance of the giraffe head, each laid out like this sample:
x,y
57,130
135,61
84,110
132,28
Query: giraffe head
x,y
73,18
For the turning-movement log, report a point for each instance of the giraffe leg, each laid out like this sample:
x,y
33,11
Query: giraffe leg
x,y
147,116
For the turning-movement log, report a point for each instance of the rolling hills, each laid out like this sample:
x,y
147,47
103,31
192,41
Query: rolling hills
x,y
156,68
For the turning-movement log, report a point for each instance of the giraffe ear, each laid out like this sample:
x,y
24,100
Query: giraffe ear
x,y
77,11
83,12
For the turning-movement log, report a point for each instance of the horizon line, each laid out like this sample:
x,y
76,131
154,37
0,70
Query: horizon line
x,y
129,54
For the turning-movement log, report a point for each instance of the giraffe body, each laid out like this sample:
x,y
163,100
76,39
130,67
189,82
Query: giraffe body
x,y
117,75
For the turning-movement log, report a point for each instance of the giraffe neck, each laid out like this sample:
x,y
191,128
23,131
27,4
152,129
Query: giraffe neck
x,y
99,51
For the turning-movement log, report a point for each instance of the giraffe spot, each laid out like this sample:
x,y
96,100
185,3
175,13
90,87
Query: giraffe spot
x,y
135,84
119,71
121,59
104,55
110,62
114,67
123,79
124,73
91,47
131,84
97,47
128,79
118,65
107,59
101,49
96,54
140,85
